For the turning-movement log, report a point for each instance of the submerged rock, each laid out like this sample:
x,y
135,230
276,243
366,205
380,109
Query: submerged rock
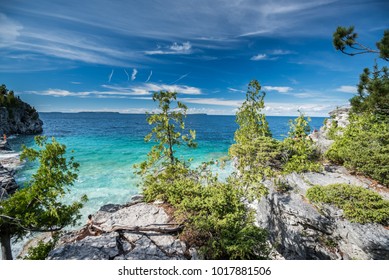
x,y
125,236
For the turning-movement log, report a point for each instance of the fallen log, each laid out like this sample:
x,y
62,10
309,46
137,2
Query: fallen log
x,y
147,229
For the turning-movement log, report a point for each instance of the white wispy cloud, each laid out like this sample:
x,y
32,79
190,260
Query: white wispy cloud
x,y
272,55
149,77
347,89
128,76
180,78
112,91
175,48
281,52
110,76
9,31
278,89
213,101
235,90
133,75
76,83
261,56
288,109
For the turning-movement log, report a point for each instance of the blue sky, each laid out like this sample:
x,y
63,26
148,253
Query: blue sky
x,y
110,55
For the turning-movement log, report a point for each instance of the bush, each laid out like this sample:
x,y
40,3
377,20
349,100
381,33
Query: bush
x,y
215,218
299,151
364,147
358,204
41,250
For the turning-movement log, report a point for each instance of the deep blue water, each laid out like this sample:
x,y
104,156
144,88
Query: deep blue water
x,y
107,145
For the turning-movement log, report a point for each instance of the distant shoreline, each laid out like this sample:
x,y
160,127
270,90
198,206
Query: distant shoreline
x,y
199,114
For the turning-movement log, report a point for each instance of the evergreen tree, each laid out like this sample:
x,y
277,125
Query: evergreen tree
x,y
298,149
345,37
38,207
168,132
363,145
255,151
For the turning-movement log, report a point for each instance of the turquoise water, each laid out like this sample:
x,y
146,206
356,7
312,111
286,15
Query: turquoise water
x,y
107,145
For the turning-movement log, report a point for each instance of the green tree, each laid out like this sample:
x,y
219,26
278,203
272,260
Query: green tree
x,y
255,151
373,92
212,213
373,88
38,207
167,131
363,147
298,149
345,37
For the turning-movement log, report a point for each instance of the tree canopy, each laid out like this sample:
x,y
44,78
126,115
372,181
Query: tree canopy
x,y
345,40
39,206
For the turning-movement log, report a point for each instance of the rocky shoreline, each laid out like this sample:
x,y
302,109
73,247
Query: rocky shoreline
x,y
136,231
297,229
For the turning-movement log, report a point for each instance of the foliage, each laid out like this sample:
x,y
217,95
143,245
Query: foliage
x,y
165,132
358,204
256,153
364,147
333,130
298,149
41,250
345,37
252,123
215,218
38,206
213,214
373,92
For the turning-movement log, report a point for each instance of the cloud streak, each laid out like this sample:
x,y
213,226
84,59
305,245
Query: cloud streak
x,y
180,78
149,77
278,89
110,76
175,48
347,89
133,75
128,76
112,91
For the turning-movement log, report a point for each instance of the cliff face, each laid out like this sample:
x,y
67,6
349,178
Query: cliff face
x,y
19,119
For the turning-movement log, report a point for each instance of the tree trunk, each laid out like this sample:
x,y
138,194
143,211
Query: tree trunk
x,y
6,252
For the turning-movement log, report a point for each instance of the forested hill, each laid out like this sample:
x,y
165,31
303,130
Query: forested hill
x,y
16,116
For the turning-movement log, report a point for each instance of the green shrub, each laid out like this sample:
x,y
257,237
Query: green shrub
x,y
358,204
333,130
41,250
215,218
364,147
299,151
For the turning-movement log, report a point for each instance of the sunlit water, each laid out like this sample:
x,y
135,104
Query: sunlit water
x,y
107,145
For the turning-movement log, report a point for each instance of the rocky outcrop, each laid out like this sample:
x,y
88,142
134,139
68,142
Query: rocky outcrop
x,y
19,119
339,118
299,230
7,182
127,233
9,161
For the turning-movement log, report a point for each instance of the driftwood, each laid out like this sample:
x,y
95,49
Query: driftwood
x,y
147,229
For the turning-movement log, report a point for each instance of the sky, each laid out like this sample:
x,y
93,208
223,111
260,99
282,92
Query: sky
x,y
111,55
